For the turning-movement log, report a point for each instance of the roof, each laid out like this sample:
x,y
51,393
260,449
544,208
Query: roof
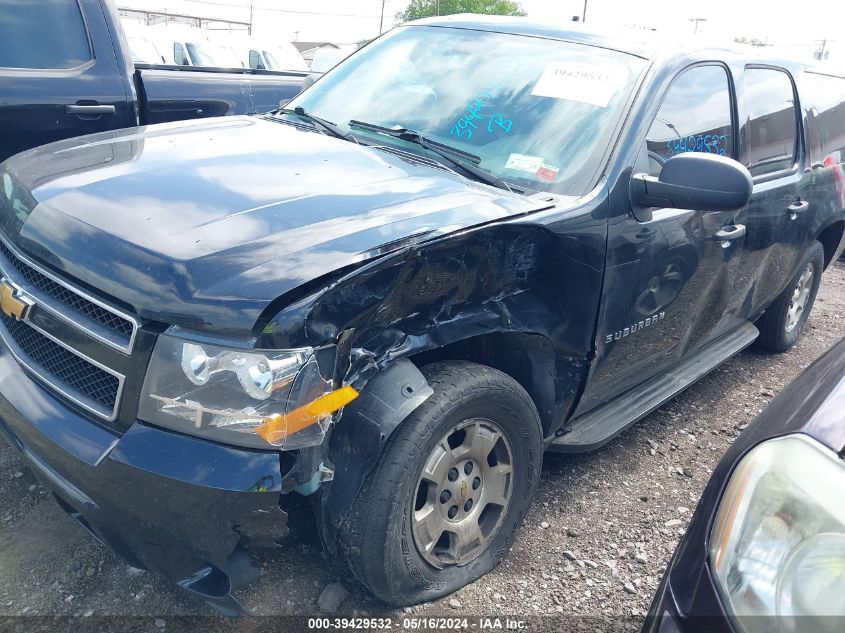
x,y
307,46
640,42
633,41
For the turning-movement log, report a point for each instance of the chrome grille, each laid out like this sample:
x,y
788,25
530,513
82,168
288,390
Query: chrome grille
x,y
31,278
72,374
55,340
67,297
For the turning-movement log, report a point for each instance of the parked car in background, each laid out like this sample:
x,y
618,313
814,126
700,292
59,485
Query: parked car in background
x,y
261,55
67,69
765,549
474,240
327,58
186,46
141,47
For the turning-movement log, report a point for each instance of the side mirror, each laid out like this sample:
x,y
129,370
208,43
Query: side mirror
x,y
695,181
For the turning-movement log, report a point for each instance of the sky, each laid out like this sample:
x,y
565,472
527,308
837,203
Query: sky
x,y
780,22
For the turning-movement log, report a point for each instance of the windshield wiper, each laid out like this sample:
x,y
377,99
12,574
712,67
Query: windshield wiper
x,y
326,126
464,161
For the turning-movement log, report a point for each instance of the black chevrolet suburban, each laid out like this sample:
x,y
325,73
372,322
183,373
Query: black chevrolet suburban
x,y
66,70
473,241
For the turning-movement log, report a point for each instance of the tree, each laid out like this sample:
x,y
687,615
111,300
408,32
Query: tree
x,y
426,8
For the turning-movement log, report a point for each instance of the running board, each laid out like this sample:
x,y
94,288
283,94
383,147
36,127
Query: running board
x,y
596,428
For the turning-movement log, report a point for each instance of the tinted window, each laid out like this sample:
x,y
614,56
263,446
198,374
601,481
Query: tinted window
x,y
772,127
695,117
823,100
42,34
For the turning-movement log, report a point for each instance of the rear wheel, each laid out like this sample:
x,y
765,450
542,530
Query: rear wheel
x,y
450,490
781,325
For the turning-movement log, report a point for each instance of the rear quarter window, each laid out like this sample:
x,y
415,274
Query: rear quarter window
x,y
823,101
42,34
772,127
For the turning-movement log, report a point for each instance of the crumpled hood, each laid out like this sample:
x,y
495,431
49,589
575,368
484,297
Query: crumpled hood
x,y
205,223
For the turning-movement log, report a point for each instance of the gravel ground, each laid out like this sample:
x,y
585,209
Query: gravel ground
x,y
596,541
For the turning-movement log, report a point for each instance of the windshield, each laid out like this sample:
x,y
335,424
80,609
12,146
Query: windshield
x,y
539,113
207,54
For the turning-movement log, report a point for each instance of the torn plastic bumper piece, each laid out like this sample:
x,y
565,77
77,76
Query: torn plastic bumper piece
x,y
356,443
179,506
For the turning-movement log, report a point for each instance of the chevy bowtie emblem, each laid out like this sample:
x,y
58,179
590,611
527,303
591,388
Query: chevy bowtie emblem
x,y
13,301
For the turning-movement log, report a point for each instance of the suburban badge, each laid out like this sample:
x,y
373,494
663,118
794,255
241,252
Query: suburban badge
x,y
634,327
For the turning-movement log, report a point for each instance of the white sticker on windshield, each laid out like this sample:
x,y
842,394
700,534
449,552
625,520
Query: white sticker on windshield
x,y
586,83
523,162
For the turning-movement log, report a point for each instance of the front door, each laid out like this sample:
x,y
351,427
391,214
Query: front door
x,y
667,281
53,85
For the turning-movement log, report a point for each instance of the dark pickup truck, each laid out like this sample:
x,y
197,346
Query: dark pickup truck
x,y
472,241
66,70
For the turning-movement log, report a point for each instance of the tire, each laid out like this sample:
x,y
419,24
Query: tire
x,y
378,539
779,329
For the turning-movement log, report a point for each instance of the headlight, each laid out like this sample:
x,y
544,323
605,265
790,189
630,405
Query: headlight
x,y
262,399
778,542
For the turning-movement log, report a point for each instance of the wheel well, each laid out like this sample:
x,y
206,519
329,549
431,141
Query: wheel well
x,y
527,358
830,239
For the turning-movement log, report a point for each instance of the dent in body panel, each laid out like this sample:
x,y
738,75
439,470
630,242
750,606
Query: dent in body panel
x,y
520,278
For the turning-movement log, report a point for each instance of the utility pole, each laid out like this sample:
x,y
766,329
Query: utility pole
x,y
249,30
436,7
381,21
584,12
819,53
697,21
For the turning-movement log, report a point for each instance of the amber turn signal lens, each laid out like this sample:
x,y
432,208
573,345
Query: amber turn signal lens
x,y
277,427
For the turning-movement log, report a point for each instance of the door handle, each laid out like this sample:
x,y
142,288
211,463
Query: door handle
x,y
797,207
730,233
89,110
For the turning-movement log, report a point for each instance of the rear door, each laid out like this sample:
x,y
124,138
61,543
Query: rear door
x,y
666,289
59,75
778,215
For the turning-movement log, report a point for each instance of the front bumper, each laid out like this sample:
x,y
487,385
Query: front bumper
x,y
179,506
706,614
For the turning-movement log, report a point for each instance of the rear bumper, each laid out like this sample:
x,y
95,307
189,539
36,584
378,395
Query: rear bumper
x,y
178,506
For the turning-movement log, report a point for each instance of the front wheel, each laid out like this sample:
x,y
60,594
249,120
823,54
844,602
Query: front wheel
x,y
454,483
781,325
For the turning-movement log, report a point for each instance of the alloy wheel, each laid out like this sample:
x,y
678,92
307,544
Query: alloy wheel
x,y
462,494
800,298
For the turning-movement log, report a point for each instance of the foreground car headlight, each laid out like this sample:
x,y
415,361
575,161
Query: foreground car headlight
x,y
778,543
262,399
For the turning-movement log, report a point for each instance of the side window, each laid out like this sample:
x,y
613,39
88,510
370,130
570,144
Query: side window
x,y
772,129
179,55
255,60
42,34
695,116
823,100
